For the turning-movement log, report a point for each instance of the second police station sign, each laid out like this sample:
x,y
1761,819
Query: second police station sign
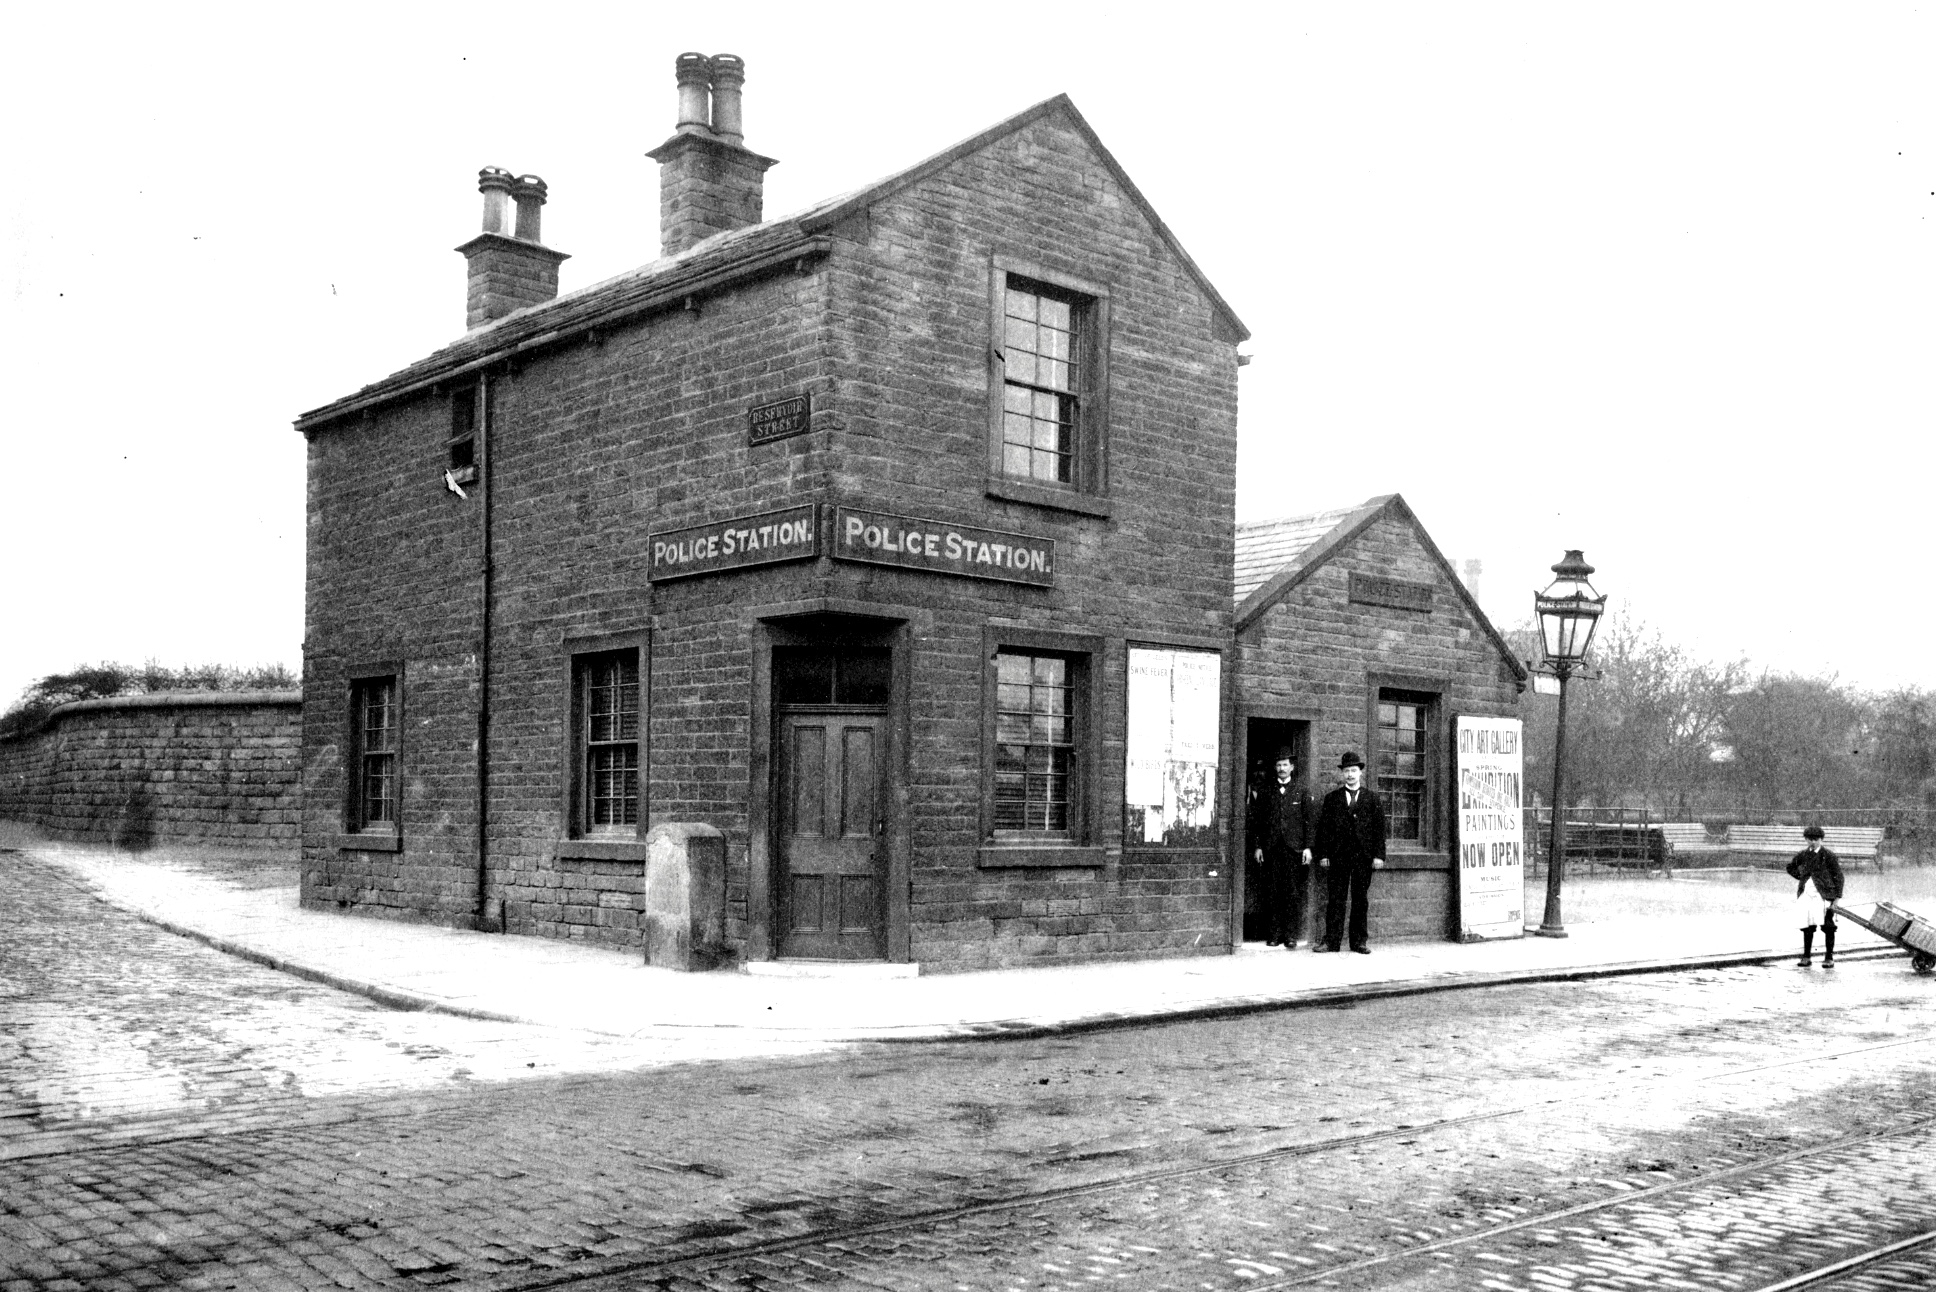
x,y
879,538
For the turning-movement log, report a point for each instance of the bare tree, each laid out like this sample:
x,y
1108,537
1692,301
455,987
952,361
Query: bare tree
x,y
1797,742
1644,729
1903,737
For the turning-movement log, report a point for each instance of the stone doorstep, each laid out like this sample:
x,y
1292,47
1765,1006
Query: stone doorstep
x,y
852,970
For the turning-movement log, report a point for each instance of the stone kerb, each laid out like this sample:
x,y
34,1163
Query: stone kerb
x,y
685,896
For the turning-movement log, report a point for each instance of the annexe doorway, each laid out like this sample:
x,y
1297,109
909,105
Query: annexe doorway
x,y
1263,737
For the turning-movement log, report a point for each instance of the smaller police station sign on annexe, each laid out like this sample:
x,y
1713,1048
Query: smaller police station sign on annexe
x,y
907,541
787,535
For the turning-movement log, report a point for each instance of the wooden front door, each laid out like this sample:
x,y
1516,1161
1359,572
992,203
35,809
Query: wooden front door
x,y
831,814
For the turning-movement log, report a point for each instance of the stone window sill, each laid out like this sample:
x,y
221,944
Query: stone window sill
x,y
1054,499
371,841
1008,855
601,850
1416,859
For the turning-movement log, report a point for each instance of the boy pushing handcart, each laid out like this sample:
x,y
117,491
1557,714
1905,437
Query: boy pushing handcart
x,y
1912,933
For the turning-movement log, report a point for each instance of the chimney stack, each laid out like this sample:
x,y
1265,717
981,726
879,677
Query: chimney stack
x,y
709,181
1471,578
510,268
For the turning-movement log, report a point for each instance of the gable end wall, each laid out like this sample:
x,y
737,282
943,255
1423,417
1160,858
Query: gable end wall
x,y
1315,648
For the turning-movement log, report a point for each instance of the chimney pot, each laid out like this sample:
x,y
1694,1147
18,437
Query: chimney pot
x,y
729,74
694,74
529,192
495,184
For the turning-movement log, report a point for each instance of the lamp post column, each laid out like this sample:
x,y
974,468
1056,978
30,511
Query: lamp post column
x,y
1550,925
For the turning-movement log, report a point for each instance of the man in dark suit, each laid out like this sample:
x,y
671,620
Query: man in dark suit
x,y
1350,845
1280,840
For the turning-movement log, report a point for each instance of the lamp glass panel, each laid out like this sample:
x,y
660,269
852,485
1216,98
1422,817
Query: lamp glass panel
x,y
1586,626
1572,641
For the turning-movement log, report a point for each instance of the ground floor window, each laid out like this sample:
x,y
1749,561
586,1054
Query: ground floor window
x,y
374,749
1035,747
1402,761
608,742
1039,747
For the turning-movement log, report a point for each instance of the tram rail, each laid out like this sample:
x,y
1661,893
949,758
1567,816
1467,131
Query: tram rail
x,y
630,1272
1829,1275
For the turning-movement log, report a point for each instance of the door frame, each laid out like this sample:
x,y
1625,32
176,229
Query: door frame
x,y
812,623
1309,714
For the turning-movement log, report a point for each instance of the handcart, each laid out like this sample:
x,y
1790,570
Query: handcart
x,y
1911,932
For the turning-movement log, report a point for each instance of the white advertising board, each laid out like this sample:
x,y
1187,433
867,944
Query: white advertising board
x,y
1489,793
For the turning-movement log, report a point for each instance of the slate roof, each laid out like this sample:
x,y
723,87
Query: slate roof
x,y
1266,546
716,263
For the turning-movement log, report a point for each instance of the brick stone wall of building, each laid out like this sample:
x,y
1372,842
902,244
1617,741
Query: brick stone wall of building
x,y
141,771
915,390
1316,648
596,444
591,447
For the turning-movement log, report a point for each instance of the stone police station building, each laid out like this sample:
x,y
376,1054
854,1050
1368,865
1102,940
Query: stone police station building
x,y
880,560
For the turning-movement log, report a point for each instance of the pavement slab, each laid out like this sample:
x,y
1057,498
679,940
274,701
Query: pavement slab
x,y
249,912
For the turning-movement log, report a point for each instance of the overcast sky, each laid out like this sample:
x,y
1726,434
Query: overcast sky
x,y
1654,281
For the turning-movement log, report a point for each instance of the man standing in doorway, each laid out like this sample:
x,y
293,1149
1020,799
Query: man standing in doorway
x,y
1280,839
1350,845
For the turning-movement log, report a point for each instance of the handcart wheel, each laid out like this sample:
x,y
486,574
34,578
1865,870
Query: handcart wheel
x,y
1922,962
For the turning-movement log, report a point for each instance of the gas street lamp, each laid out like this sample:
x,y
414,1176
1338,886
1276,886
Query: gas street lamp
x,y
1568,612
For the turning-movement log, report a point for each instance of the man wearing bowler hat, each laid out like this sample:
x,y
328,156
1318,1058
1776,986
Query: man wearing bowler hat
x,y
1351,844
1280,839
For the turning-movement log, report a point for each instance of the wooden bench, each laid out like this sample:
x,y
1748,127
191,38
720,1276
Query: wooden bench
x,y
1686,838
1617,844
1855,842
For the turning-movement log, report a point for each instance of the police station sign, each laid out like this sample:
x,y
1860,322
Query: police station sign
x,y
1490,763
878,538
786,535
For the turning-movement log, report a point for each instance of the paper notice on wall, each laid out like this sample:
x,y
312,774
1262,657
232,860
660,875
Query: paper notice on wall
x,y
1195,706
1189,794
1148,734
1175,705
1492,867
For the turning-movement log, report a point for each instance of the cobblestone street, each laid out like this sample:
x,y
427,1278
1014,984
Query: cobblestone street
x,y
176,1118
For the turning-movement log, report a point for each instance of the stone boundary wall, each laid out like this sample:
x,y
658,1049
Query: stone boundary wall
x,y
136,771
